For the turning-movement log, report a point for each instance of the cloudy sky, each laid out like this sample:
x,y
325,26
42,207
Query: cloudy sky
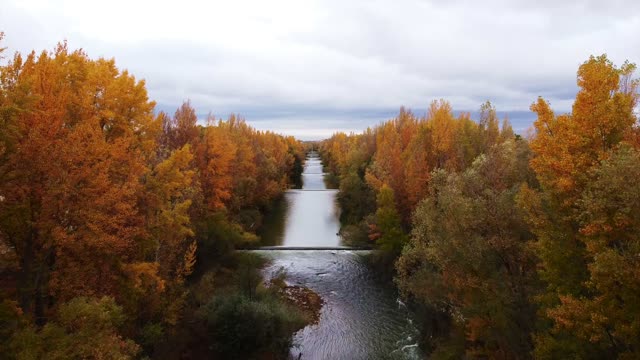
x,y
310,68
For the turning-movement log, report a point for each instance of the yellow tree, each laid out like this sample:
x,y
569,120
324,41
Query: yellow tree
x,y
92,213
418,164
244,167
33,111
567,148
274,162
81,128
169,190
442,124
392,138
215,154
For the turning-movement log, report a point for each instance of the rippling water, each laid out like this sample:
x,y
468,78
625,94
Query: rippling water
x,y
362,318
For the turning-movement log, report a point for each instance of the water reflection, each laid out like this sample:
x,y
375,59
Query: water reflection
x,y
305,217
312,176
312,219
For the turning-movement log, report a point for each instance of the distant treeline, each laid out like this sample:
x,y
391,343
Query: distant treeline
x,y
107,210
509,247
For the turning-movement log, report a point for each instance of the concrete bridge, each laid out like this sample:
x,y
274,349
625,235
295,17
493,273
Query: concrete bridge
x,y
302,248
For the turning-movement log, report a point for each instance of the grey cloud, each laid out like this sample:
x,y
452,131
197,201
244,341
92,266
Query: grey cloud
x,y
347,65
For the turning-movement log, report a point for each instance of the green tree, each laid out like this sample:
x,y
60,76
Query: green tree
x,y
387,229
84,328
356,199
468,253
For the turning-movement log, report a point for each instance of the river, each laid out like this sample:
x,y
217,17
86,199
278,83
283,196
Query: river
x,y
362,317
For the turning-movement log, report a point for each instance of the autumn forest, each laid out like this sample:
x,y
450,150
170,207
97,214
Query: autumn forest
x,y
121,227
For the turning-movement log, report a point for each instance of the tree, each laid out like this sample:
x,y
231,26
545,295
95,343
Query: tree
x,y
489,126
184,129
387,229
84,328
244,168
356,199
99,199
392,138
567,146
567,149
609,220
91,213
170,190
443,128
273,164
214,156
418,165
468,253
79,132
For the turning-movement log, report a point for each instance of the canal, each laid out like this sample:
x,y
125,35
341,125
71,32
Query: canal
x,y
362,316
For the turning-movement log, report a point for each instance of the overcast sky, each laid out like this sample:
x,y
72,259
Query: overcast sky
x,y
310,68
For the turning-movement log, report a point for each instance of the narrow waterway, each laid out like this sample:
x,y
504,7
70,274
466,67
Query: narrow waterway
x,y
362,317
305,217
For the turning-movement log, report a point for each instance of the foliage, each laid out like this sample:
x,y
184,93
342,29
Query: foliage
x,y
402,152
578,216
529,252
387,229
356,235
609,222
239,327
243,318
356,199
100,197
528,247
217,238
84,328
468,253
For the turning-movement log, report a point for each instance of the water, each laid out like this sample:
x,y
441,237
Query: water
x,y
305,217
312,219
362,317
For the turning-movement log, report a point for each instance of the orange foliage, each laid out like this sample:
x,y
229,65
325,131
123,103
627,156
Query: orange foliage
x,y
81,127
214,156
567,146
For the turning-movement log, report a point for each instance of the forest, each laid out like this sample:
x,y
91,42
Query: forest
x,y
118,223
509,246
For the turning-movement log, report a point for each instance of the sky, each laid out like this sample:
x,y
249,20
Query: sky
x,y
311,68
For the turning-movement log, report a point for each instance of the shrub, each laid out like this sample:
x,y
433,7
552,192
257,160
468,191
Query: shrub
x,y
238,327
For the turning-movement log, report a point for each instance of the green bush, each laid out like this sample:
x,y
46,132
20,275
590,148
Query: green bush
x,y
217,238
238,327
84,328
356,235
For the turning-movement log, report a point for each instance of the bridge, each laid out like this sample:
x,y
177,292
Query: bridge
x,y
307,248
